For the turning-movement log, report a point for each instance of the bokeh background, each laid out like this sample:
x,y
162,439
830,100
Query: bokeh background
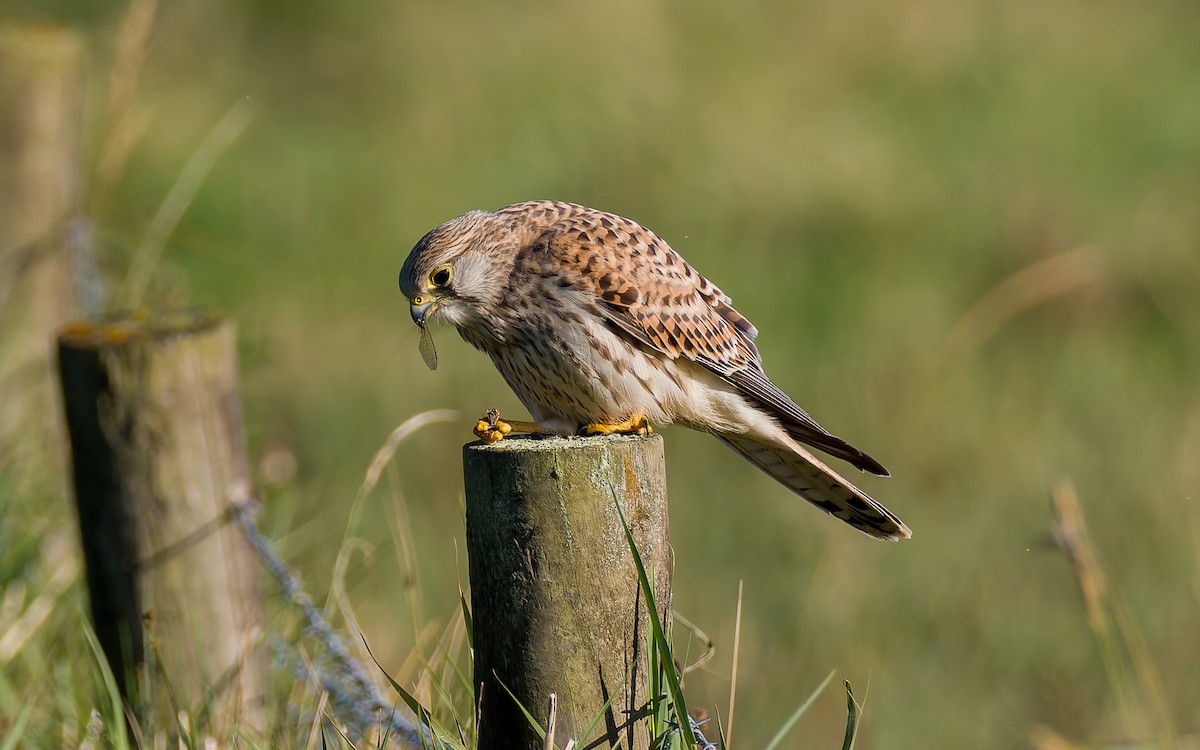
x,y
968,230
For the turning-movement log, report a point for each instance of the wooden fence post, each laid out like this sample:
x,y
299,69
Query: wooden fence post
x,y
555,601
156,436
41,176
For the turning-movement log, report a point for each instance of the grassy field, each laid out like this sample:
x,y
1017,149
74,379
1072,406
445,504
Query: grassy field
x,y
969,233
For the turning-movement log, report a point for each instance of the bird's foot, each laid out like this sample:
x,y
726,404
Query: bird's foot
x,y
491,428
636,424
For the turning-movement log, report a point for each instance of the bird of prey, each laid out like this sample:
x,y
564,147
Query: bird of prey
x,y
598,326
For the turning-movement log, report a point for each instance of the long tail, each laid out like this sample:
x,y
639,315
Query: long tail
x,y
803,473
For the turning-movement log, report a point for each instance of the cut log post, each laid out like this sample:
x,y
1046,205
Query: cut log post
x,y
555,600
41,175
156,438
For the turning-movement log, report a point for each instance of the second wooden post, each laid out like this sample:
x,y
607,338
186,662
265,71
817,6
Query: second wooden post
x,y
556,604
156,438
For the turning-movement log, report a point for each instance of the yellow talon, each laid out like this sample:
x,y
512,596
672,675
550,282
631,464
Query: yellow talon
x,y
491,428
637,424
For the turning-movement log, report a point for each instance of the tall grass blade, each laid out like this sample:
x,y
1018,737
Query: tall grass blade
x,y
185,730
733,677
853,711
528,716
664,661
441,736
1121,648
710,648
114,721
791,722
17,730
591,727
468,623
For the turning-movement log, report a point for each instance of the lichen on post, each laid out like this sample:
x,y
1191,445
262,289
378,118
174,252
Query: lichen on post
x,y
157,448
556,603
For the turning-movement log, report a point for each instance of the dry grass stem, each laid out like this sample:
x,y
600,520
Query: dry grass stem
x,y
1104,606
128,121
710,649
191,177
384,455
733,677
16,632
1028,287
551,720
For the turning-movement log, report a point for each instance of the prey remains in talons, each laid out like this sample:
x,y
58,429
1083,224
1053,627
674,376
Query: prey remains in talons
x,y
636,424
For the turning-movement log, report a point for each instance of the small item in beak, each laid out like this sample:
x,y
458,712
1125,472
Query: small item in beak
x,y
425,346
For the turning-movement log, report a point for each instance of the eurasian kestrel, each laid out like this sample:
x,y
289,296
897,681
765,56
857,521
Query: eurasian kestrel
x,y
599,326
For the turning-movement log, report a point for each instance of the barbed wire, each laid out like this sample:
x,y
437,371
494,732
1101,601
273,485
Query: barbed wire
x,y
354,695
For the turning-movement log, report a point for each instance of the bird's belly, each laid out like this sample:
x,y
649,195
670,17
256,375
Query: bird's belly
x,y
591,376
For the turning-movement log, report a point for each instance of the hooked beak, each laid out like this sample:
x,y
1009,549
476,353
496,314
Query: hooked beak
x,y
420,308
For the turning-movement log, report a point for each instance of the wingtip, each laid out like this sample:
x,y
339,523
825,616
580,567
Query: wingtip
x,y
871,466
899,534
888,529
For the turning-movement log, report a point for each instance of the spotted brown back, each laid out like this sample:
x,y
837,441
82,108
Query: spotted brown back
x,y
640,284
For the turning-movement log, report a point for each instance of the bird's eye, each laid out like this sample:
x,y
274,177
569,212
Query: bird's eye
x,y
441,276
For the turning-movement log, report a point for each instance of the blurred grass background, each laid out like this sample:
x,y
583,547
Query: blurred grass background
x,y
969,232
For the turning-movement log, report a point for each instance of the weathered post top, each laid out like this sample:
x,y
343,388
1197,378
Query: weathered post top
x,y
136,326
556,604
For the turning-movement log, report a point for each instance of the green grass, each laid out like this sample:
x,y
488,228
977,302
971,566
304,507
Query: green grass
x,y
858,177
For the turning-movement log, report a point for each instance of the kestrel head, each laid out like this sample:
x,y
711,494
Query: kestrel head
x,y
452,270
